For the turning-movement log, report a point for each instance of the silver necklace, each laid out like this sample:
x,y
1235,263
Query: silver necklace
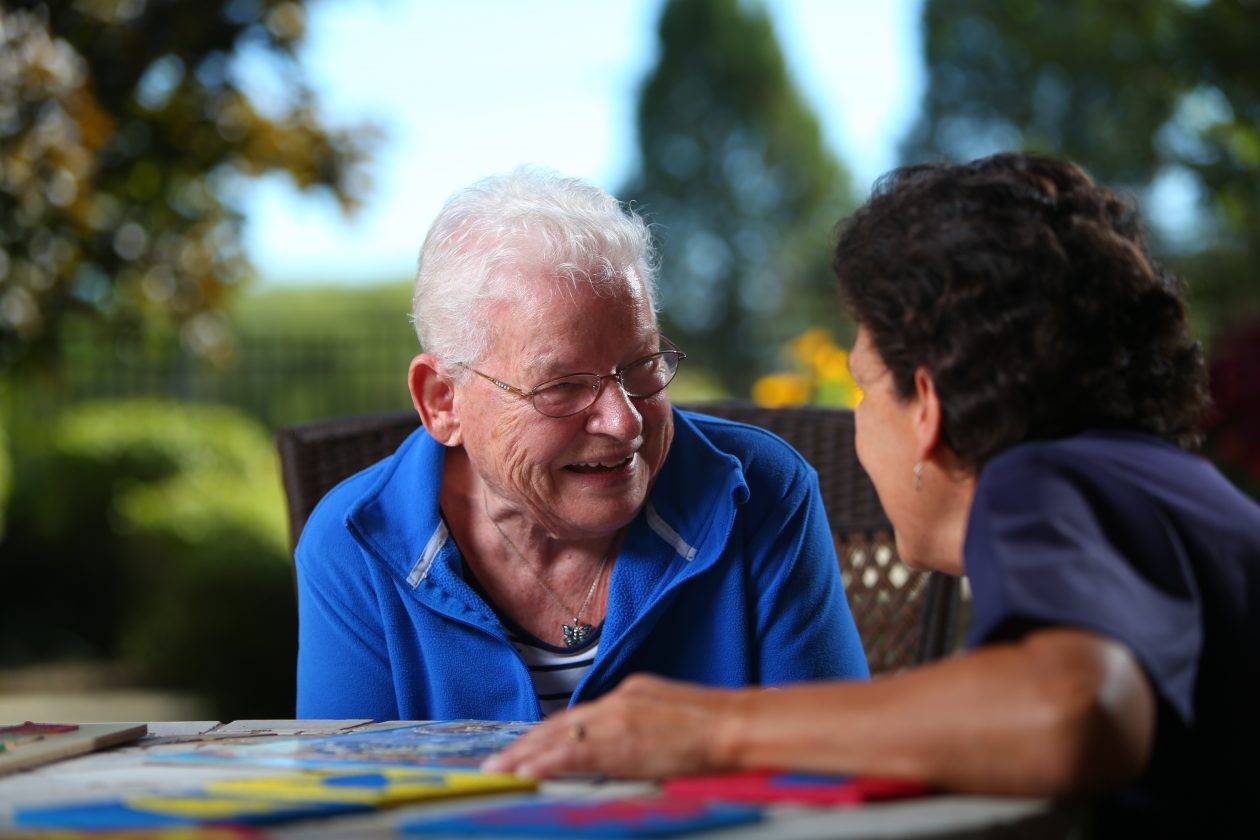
x,y
577,633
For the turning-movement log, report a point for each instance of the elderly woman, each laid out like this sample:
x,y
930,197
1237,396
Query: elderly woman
x,y
556,525
1030,388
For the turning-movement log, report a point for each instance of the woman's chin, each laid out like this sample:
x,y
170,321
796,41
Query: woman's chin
x,y
592,520
595,510
924,559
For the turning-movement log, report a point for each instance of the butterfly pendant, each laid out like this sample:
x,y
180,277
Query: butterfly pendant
x,y
576,634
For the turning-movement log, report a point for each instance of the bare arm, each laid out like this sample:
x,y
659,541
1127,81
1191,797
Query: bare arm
x,y
1061,711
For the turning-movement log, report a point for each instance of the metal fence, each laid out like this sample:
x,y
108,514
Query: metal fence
x,y
279,379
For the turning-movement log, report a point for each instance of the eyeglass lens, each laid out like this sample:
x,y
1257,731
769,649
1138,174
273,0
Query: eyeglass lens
x,y
574,393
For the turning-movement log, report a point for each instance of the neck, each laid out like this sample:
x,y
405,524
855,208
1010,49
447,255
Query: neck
x,y
541,581
494,526
951,518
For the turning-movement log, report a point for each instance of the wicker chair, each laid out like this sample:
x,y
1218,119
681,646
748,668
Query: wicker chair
x,y
904,616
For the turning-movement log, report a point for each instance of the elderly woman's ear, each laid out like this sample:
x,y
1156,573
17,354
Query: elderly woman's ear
x,y
433,396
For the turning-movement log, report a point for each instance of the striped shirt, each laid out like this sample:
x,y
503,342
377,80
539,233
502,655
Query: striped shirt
x,y
555,671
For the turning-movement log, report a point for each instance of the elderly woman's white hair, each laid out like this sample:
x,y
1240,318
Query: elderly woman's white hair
x,y
530,220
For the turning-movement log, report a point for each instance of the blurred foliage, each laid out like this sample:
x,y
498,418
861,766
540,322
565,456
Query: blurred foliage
x,y
297,355
6,476
382,308
125,128
294,355
740,186
695,384
820,375
1161,97
154,533
1233,438
180,460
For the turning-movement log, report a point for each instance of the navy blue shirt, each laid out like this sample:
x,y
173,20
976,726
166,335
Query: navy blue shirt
x,y
1131,537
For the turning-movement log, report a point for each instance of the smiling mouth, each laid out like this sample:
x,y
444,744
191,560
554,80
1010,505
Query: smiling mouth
x,y
600,466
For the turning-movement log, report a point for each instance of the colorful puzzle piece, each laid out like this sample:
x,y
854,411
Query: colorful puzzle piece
x,y
430,745
141,812
194,832
374,787
13,737
768,787
31,744
640,817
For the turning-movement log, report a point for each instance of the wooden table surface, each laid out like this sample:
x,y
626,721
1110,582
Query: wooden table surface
x,y
125,770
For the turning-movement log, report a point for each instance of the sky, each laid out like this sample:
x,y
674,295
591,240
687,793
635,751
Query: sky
x,y
462,90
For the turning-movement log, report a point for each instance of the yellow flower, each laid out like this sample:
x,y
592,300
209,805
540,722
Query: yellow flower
x,y
806,345
832,364
779,389
822,375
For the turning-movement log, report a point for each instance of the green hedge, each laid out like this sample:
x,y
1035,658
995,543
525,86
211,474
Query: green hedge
x,y
6,477
154,533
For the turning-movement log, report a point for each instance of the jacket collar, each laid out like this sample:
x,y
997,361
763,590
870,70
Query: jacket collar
x,y
398,519
698,483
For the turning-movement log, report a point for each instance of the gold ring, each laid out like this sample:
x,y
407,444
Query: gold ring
x,y
577,732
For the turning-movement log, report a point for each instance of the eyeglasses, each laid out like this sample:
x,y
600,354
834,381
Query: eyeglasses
x,y
567,395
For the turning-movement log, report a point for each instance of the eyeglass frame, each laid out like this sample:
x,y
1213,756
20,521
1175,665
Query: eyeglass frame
x,y
599,384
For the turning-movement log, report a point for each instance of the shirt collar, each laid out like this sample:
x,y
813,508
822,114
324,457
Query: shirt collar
x,y
398,519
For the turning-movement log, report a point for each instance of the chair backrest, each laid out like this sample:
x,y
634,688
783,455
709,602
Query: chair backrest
x,y
904,616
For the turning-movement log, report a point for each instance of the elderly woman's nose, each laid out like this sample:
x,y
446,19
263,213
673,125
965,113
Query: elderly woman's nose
x,y
614,413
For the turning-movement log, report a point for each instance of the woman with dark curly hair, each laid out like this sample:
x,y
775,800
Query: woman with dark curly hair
x,y
1030,394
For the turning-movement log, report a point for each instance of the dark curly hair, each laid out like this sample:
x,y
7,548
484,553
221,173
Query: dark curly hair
x,y
1029,294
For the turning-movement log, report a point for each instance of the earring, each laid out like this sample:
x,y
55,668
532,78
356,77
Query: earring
x,y
918,476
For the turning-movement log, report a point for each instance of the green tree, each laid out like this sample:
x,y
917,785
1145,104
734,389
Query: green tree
x,y
739,185
124,131
1161,97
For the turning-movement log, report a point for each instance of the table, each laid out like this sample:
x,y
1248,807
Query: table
x,y
124,770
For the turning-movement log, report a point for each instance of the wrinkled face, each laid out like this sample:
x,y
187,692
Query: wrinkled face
x,y
588,474
885,442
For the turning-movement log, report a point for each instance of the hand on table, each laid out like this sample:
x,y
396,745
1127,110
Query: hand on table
x,y
647,728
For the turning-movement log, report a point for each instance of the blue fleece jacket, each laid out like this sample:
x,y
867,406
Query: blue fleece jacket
x,y
727,577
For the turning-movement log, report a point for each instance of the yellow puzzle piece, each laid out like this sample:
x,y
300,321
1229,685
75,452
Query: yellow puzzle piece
x,y
381,787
